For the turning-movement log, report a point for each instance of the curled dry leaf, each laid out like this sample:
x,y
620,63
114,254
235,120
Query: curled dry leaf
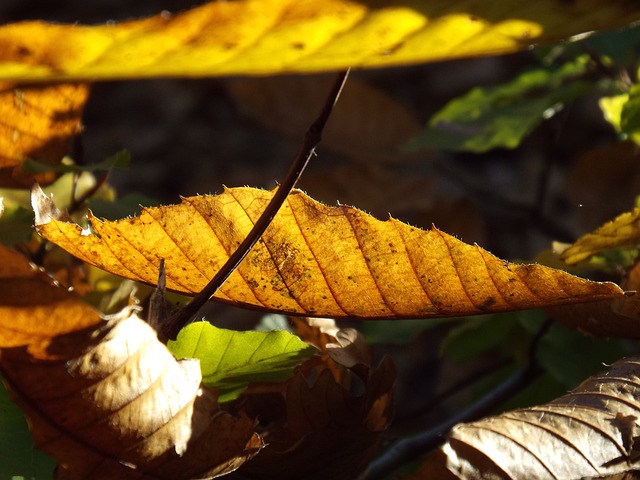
x,y
38,122
331,417
277,36
105,397
621,232
590,432
315,260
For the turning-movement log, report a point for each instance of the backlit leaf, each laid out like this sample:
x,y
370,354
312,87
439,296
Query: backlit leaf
x,y
314,260
621,232
229,360
38,122
590,432
276,36
105,397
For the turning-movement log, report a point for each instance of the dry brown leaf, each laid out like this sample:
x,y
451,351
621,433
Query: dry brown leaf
x,y
105,397
37,122
315,260
325,430
359,129
277,36
590,432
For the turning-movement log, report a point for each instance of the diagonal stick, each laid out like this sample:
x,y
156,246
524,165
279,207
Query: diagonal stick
x,y
169,328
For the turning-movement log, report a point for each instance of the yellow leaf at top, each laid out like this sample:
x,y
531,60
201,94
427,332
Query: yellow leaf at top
x,y
277,36
621,232
314,260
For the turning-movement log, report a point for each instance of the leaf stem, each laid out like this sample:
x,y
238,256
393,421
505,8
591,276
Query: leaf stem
x,y
171,326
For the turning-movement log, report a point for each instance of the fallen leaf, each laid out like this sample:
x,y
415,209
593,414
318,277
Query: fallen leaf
x,y
105,397
230,360
38,123
590,432
315,260
275,36
621,232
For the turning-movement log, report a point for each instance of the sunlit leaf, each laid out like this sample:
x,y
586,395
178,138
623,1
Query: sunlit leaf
x,y
275,36
38,122
621,232
315,260
491,117
229,360
590,432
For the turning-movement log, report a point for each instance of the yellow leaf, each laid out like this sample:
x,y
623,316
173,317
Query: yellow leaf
x,y
105,397
38,122
621,232
276,36
315,260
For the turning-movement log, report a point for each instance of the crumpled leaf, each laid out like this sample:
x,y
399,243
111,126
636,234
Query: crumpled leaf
x,y
590,432
230,360
38,123
328,421
276,36
621,232
315,260
105,397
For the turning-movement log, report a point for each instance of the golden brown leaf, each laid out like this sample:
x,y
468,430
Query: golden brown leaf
x,y
590,432
316,260
621,232
105,397
37,122
276,36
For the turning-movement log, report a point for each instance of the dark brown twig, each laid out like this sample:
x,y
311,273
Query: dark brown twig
x,y
170,327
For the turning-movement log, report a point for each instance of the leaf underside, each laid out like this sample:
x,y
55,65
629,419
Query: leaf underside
x,y
590,432
315,260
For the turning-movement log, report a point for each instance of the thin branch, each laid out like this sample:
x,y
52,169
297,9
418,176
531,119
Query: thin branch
x,y
413,447
170,327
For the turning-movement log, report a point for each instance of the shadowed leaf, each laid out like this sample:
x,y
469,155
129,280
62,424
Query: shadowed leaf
x,y
276,36
315,260
229,360
590,432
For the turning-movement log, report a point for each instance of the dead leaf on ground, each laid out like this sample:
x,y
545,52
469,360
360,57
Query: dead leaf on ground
x,y
359,129
315,260
37,122
105,397
275,36
590,432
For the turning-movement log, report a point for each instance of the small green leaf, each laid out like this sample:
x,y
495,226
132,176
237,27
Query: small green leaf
x,y
230,360
502,116
16,225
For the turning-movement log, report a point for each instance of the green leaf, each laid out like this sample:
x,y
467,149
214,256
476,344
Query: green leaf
x,y
502,116
230,360
16,225
18,457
